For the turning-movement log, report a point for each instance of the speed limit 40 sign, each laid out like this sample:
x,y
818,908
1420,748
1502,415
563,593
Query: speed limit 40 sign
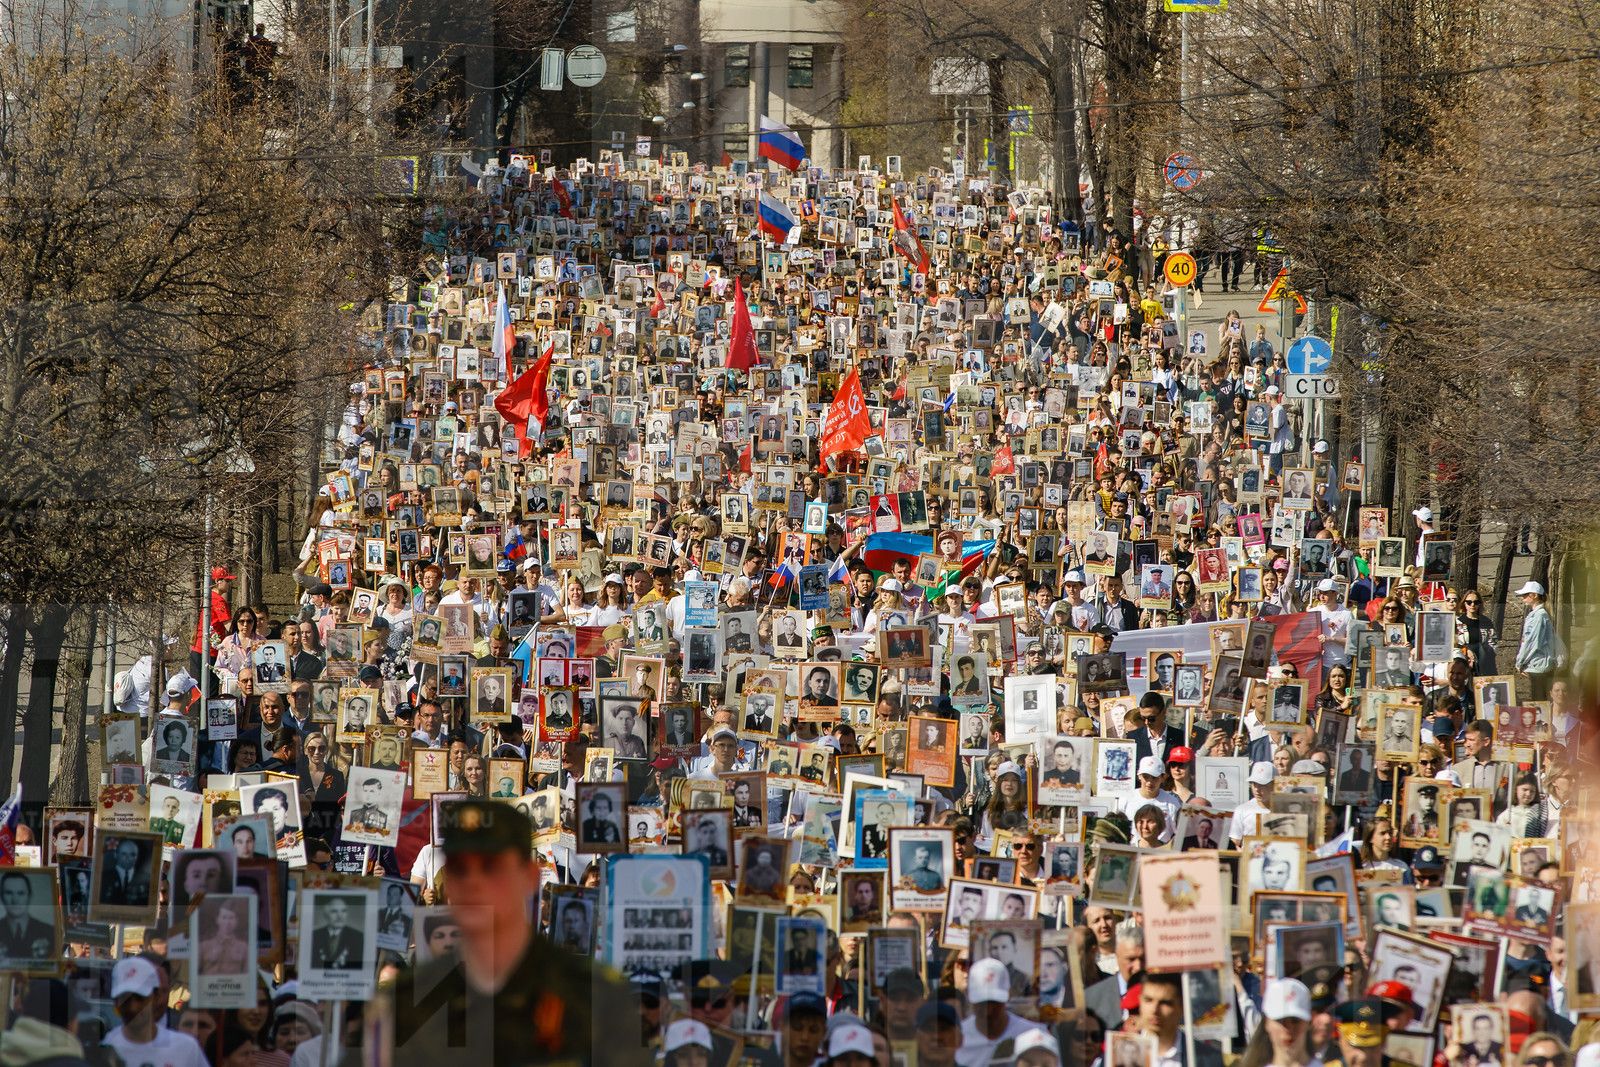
x,y
1180,269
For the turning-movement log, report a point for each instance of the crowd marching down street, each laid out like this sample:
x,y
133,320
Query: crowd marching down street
x,y
788,617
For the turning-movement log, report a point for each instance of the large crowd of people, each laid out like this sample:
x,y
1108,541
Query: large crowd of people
x,y
793,618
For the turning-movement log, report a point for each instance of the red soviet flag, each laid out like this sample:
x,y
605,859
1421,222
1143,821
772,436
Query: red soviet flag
x,y
906,242
847,425
1004,462
527,400
742,341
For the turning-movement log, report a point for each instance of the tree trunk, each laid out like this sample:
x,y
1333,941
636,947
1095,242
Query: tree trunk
x,y
38,725
1064,158
999,129
71,784
1468,531
1502,579
16,628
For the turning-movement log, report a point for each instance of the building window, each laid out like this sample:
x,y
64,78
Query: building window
x,y
736,140
801,58
736,66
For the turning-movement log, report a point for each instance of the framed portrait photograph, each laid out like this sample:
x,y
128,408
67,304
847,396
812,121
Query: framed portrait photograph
x,y
820,687
709,833
1306,946
1421,819
372,806
491,694
1103,672
338,944
572,915
1115,880
1273,864
1353,777
222,951
601,806
1030,706
623,727
172,744
763,871
126,867
931,749
1399,736
862,899
921,865
801,950
1013,943
1066,769
1287,706
1114,769
1188,685
30,922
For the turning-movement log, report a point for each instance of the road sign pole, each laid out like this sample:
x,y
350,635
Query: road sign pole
x,y
1183,317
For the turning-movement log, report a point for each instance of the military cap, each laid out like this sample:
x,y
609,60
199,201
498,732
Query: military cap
x,y
484,826
1428,791
1323,983
1361,1022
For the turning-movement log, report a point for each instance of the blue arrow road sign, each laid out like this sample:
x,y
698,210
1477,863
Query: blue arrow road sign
x,y
1309,355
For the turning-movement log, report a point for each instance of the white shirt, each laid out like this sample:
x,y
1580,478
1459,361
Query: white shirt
x,y
1167,802
1246,820
133,690
169,1048
977,1050
1336,624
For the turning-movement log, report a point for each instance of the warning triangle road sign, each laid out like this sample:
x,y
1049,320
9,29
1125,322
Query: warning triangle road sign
x,y
1279,290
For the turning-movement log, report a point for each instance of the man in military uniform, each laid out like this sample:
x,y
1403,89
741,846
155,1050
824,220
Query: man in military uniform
x,y
552,1006
370,816
1361,1034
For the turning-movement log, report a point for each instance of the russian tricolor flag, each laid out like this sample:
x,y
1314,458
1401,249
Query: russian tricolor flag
x,y
774,219
505,338
779,144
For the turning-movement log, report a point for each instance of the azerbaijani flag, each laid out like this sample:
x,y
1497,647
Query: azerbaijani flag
x,y
779,144
773,218
884,549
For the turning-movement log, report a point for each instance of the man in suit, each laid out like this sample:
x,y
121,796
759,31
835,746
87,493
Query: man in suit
x,y
875,835
1203,836
1483,1048
707,843
1155,737
335,946
22,937
392,917
126,883
1003,947
1104,999
1356,778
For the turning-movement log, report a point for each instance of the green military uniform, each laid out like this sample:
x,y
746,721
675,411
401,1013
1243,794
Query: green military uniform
x,y
554,1008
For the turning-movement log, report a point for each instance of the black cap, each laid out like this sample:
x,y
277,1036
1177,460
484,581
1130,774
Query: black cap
x,y
484,826
1427,858
937,1012
805,1004
1323,983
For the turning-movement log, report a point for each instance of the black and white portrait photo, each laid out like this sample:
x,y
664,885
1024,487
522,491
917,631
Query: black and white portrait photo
x,y
601,807
30,940
338,944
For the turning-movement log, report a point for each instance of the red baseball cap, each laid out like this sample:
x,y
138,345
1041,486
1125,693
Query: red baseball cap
x,y
220,574
1181,754
1398,992
1130,999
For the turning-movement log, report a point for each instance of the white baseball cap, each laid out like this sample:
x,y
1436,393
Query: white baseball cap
x,y
134,975
1286,998
1262,774
1152,767
852,1037
892,585
1423,514
1073,576
1320,448
1272,390
1035,1040
1530,587
686,1032
1327,585
988,982
1008,767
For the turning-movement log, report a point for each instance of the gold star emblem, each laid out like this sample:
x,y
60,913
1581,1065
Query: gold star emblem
x,y
1179,893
